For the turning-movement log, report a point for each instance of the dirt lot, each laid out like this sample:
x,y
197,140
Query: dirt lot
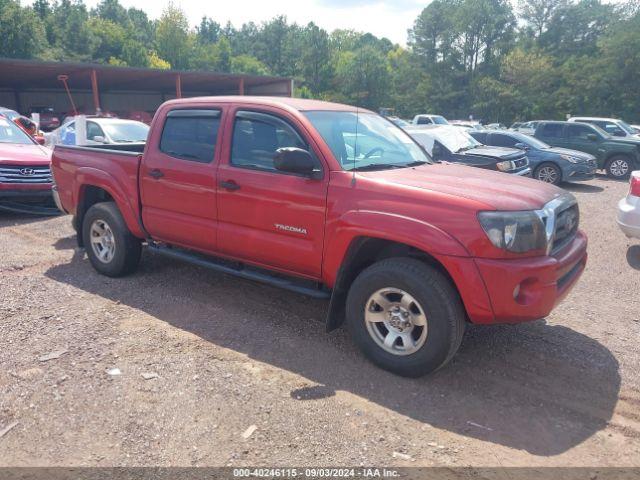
x,y
230,354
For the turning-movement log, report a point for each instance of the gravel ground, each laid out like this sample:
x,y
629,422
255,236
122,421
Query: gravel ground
x,y
244,374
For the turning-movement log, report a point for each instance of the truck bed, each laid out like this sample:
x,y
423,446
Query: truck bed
x,y
113,168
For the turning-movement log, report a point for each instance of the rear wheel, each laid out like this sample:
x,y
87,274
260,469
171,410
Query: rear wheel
x,y
548,173
111,248
619,167
405,316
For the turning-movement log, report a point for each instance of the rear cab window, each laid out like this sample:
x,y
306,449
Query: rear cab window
x,y
191,134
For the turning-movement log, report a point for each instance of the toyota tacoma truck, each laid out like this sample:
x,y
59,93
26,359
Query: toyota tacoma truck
x,y
334,202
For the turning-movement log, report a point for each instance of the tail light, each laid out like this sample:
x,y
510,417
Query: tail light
x,y
635,184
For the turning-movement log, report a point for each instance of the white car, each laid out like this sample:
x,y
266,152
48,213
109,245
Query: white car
x,y
428,119
629,208
528,128
102,131
612,126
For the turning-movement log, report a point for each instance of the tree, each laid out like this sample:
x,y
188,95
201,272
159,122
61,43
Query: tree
x,y
21,30
538,13
363,77
248,65
172,37
208,31
316,58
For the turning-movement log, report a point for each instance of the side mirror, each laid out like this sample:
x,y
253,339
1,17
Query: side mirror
x,y
592,136
99,139
40,140
294,160
522,146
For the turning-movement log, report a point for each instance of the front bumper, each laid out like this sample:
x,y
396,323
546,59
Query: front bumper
x,y
43,192
528,289
629,216
579,172
525,172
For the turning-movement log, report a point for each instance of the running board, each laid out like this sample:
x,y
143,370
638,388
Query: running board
x,y
242,271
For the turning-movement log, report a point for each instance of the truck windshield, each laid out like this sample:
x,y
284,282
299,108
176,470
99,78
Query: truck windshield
x,y
366,141
11,133
439,120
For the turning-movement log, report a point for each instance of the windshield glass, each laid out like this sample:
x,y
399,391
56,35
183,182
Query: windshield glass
x,y
439,120
455,139
366,141
528,140
126,132
626,127
11,133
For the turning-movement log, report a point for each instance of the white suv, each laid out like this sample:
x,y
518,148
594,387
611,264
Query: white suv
x,y
612,126
427,119
629,208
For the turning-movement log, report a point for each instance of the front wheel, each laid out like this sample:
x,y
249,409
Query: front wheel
x,y
112,249
405,316
548,173
619,167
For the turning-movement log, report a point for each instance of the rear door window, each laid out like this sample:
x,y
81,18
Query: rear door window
x,y
551,130
191,134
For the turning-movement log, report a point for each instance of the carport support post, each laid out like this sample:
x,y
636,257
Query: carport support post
x,y
178,86
96,92
241,86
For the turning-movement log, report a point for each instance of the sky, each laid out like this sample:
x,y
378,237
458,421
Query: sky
x,y
389,19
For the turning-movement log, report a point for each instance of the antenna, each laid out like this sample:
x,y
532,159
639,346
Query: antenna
x,y
355,149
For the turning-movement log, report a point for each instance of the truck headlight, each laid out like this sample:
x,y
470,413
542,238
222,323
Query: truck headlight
x,y
517,232
571,159
505,166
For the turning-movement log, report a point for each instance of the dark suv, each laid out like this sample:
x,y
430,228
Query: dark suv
x,y
618,156
454,145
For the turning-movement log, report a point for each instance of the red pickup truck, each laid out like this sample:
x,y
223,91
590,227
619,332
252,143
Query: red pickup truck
x,y
334,202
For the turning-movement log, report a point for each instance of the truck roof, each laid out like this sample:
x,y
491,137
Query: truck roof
x,y
300,104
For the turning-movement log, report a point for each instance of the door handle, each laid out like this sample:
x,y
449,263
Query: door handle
x,y
230,185
155,173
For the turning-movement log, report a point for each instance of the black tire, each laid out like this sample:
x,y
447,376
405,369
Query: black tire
x,y
549,173
436,295
128,248
619,167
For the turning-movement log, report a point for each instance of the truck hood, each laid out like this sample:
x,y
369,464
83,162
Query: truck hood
x,y
16,154
496,190
625,141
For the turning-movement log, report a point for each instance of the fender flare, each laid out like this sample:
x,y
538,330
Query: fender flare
x,y
88,176
347,237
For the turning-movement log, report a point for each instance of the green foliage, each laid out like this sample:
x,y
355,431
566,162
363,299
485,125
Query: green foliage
x,y
536,59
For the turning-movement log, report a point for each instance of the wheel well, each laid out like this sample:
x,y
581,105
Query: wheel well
x,y
90,195
362,253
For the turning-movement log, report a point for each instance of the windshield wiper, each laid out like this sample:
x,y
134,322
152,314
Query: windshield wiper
x,y
376,166
416,164
464,149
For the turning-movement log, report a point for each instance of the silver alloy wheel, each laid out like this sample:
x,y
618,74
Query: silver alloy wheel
x,y
102,241
396,321
619,168
548,174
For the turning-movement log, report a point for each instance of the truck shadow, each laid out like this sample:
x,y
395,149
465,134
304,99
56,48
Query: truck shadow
x,y
535,387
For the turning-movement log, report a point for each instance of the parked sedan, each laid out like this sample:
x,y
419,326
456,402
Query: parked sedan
x,y
549,164
629,209
103,131
447,143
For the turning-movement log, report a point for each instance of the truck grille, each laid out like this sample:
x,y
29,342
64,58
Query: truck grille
x,y
567,223
25,174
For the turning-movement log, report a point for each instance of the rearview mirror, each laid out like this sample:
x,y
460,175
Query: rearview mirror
x,y
521,146
592,136
294,160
